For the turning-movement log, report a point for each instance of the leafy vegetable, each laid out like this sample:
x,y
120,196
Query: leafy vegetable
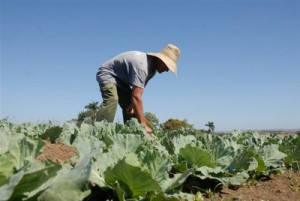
x,y
125,162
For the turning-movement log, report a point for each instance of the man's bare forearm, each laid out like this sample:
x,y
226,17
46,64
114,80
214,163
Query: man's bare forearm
x,y
137,104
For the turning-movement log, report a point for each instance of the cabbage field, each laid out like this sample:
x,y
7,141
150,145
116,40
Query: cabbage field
x,y
121,162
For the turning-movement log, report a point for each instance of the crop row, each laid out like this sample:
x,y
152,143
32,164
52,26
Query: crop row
x,y
121,162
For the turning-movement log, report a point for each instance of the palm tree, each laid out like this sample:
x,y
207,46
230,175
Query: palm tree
x,y
211,126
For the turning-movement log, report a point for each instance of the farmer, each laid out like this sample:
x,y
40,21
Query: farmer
x,y
123,79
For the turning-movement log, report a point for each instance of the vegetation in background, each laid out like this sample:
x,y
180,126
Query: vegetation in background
x,y
211,126
152,120
175,124
89,115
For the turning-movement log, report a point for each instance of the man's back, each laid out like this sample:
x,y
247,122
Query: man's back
x,y
128,68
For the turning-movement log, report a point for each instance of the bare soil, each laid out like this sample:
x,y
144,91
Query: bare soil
x,y
58,153
284,187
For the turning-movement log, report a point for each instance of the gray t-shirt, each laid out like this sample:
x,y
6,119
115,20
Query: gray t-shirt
x,y
132,68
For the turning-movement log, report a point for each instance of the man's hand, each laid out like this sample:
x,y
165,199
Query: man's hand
x,y
148,129
130,110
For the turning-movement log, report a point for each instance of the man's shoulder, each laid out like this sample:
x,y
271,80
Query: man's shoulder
x,y
134,53
136,58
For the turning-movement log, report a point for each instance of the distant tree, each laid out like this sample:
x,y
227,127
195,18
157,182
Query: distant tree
x,y
175,124
211,126
92,109
89,115
152,120
81,117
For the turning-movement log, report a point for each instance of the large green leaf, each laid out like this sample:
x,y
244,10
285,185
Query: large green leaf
x,y
32,181
154,159
123,146
174,182
291,147
236,180
21,155
88,145
8,140
7,189
244,161
70,184
271,156
181,141
196,157
69,133
222,151
132,180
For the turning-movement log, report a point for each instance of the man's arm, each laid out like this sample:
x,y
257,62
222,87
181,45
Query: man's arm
x,y
137,104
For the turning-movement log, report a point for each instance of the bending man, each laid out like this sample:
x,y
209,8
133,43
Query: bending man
x,y
123,78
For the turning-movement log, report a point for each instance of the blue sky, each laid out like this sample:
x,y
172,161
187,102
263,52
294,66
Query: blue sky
x,y
239,65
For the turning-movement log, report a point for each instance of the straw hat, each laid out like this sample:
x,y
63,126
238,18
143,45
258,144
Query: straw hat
x,y
169,56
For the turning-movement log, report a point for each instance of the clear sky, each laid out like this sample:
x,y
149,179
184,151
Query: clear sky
x,y
239,65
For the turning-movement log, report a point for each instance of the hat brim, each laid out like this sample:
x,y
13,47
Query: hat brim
x,y
169,63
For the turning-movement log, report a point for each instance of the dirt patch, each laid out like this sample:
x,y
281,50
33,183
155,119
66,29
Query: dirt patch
x,y
58,153
277,188
280,187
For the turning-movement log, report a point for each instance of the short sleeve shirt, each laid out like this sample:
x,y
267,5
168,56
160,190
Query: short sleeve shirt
x,y
132,68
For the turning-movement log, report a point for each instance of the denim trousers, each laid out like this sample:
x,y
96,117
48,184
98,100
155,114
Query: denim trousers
x,y
112,96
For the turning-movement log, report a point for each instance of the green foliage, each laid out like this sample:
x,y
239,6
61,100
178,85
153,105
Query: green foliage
x,y
125,163
130,180
211,126
196,157
89,115
175,124
152,120
52,134
291,146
